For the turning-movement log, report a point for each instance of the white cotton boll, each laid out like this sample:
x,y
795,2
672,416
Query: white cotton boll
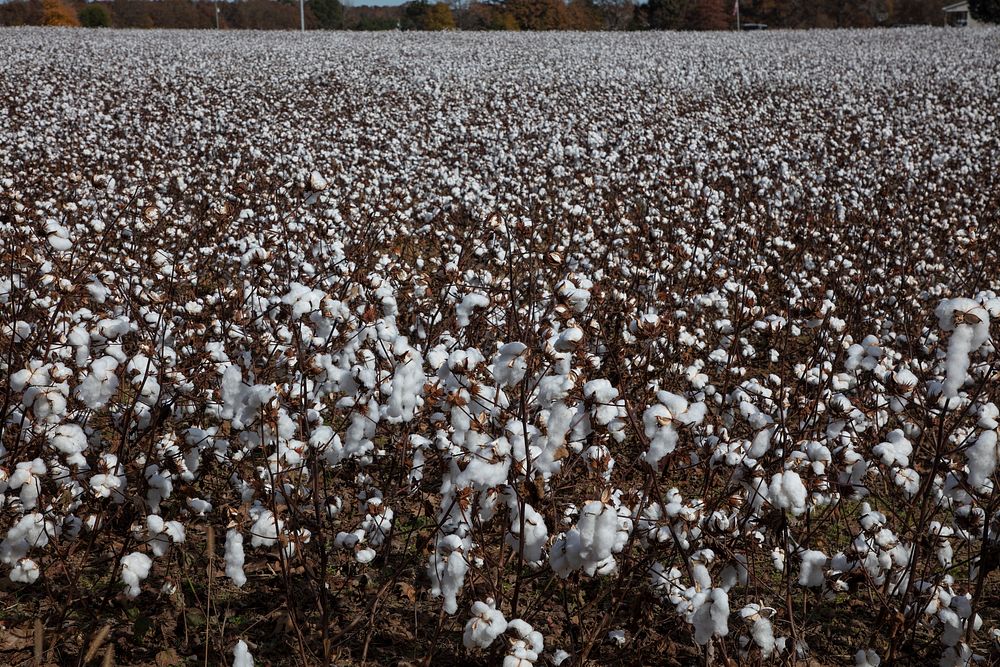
x,y
135,568
265,529
70,440
536,533
761,629
58,236
867,658
317,182
25,571
510,364
711,615
957,656
896,449
969,324
559,656
463,311
241,655
568,339
787,492
811,571
447,569
487,623
908,480
234,558
27,477
981,458
525,649
99,384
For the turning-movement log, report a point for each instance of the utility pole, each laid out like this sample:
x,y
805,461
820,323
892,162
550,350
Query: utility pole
x,y
302,14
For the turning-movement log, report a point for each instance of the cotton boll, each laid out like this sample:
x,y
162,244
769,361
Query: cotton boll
x,y
25,571
711,615
486,624
896,449
135,568
981,458
71,441
761,629
969,325
317,182
447,569
526,646
265,529
463,311
867,658
241,655
510,364
811,571
787,492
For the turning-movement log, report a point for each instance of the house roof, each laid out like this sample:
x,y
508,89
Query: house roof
x,y
956,7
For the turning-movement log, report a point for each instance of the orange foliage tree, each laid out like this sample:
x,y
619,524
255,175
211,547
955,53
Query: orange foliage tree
x,y
58,13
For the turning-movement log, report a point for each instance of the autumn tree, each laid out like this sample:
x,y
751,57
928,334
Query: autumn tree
x,y
58,13
422,15
709,15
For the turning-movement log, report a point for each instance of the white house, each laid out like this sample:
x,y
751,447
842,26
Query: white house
x,y
957,14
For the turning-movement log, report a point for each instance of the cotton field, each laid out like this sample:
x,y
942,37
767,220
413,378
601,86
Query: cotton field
x,y
551,349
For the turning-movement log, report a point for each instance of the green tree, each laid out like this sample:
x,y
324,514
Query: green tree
x,y
94,16
985,10
422,15
329,14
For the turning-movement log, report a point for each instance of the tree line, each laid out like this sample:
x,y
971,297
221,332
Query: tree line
x,y
484,14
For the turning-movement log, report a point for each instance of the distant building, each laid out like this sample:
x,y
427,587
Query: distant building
x,y
957,15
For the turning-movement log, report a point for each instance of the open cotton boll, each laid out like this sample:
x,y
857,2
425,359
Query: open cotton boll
x,y
896,449
135,568
711,615
761,629
25,572
867,658
525,649
787,492
509,364
471,301
70,440
265,529
811,571
487,623
99,384
981,458
317,182
659,422
969,324
27,477
234,558
447,568
241,655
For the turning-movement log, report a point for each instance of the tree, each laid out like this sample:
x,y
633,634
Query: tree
x,y
708,15
329,14
94,15
985,10
421,15
58,13
666,14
